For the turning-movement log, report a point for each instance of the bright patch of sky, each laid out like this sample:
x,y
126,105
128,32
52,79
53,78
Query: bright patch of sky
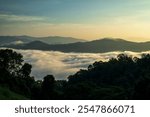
x,y
89,19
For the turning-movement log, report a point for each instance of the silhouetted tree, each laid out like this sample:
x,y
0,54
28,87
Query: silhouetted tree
x,y
142,89
10,64
14,74
48,87
36,90
123,77
122,72
25,70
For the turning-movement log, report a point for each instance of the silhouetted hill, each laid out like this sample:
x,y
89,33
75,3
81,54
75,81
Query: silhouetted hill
x,y
7,40
59,40
37,45
96,46
102,45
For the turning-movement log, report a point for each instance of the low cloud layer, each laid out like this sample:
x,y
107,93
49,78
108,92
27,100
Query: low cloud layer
x,y
60,64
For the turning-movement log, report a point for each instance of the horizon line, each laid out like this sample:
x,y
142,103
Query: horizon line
x,y
100,38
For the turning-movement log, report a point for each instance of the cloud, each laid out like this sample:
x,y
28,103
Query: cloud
x,y
60,64
19,18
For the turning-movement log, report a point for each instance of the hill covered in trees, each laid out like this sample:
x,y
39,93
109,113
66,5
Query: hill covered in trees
x,y
96,46
120,78
18,40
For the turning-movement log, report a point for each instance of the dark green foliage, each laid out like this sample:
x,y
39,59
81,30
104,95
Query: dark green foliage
x,y
7,94
142,89
120,78
10,63
123,77
14,74
25,70
48,87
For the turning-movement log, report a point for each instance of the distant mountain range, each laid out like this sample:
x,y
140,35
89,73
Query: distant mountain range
x,y
16,40
96,46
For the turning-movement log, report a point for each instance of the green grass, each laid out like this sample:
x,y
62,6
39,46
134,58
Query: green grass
x,y
6,94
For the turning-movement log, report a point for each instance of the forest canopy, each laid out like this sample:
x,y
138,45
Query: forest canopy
x,y
120,78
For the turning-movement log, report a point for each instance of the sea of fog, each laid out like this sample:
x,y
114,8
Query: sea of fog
x,y
61,65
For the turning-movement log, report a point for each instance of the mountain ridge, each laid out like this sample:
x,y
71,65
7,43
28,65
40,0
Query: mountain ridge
x,y
95,46
49,40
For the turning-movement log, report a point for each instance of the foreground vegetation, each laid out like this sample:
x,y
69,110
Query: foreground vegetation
x,y
6,94
120,78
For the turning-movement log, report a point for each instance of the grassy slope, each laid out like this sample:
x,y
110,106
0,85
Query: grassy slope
x,y
6,94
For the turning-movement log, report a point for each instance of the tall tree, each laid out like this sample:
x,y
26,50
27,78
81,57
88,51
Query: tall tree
x,y
10,64
48,87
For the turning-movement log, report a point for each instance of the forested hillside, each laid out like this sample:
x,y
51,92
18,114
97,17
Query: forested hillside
x,y
124,77
95,46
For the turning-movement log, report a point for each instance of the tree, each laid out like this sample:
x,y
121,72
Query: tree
x,y
142,89
48,87
10,64
25,70
14,73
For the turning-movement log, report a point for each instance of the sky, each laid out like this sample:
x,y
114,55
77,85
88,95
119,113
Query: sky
x,y
85,19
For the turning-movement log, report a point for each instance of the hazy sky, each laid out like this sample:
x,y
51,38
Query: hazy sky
x,y
88,19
